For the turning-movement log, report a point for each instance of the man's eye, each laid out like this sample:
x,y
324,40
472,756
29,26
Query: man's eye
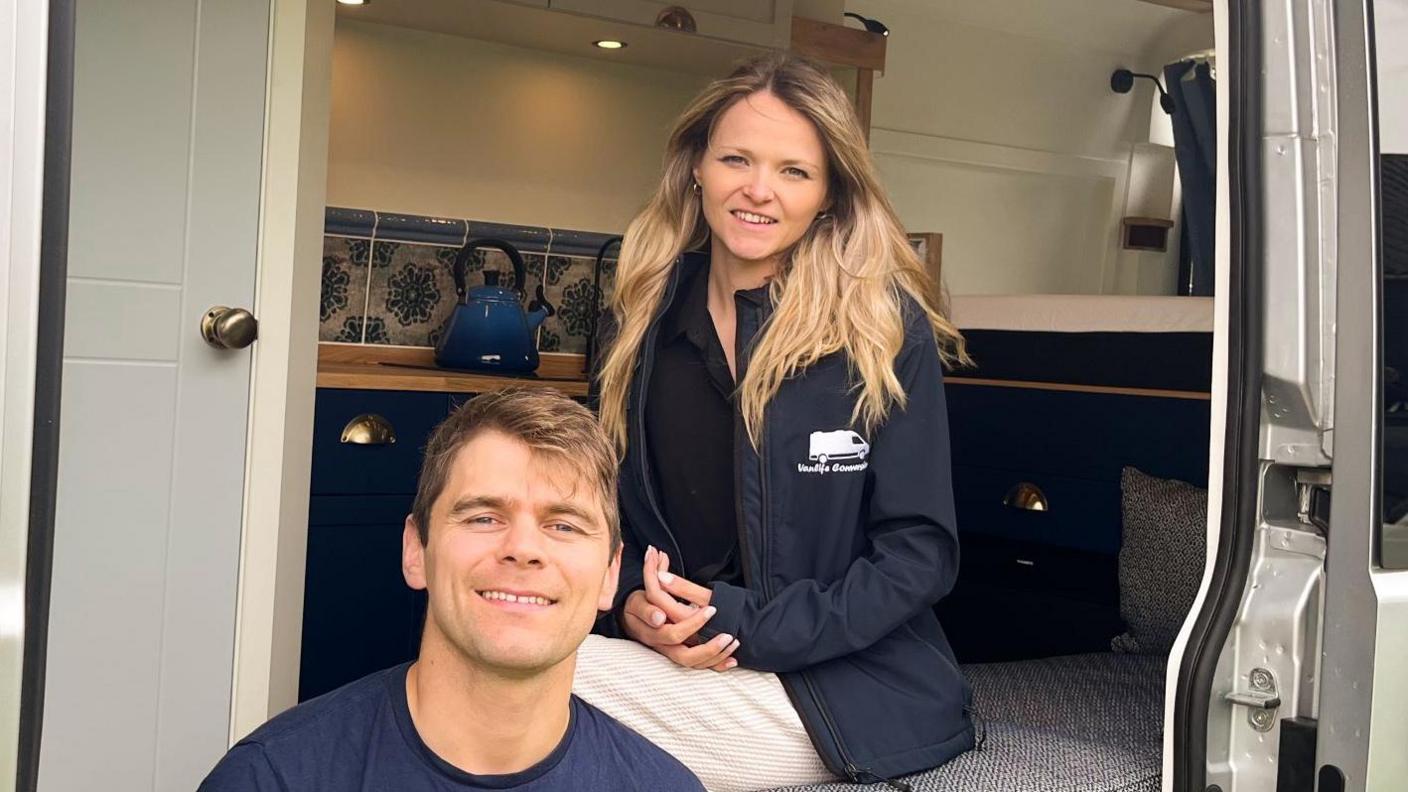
x,y
483,519
563,527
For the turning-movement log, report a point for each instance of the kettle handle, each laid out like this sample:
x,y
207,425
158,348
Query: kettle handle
x,y
462,261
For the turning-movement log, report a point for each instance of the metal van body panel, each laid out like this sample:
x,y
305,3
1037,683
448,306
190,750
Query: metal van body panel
x,y
1277,635
1298,163
1352,708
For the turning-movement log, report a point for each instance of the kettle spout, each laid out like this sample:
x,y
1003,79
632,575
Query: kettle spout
x,y
539,309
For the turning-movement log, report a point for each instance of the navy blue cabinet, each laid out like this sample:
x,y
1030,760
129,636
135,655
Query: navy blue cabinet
x,y
349,469
1041,583
359,615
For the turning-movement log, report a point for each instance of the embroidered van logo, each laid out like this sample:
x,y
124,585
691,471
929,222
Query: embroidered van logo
x,y
840,451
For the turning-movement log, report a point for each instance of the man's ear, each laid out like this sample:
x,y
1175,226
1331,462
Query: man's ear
x,y
609,581
412,555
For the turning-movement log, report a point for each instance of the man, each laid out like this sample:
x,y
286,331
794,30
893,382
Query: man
x,y
515,536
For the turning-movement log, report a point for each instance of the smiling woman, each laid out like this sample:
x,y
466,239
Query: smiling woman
x,y
770,318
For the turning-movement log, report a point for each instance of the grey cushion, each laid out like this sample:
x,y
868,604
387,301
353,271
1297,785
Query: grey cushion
x,y
1086,723
1161,559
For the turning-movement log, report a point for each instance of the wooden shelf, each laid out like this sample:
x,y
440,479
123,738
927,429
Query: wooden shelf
x,y
369,367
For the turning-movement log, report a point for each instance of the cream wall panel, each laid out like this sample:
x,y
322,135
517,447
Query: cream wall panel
x,y
437,125
1014,221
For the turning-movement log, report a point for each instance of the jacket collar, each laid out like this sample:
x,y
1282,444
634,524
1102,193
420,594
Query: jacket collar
x,y
690,305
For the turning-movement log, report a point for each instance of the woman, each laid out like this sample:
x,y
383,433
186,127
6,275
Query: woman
x,y
785,484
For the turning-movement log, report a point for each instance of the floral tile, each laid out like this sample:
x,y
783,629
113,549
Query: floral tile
x,y
412,294
363,330
382,250
344,291
556,269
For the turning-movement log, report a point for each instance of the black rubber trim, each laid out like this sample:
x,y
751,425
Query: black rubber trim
x,y
1244,382
53,275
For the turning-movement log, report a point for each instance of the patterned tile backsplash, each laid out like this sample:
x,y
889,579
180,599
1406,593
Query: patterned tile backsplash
x,y
379,290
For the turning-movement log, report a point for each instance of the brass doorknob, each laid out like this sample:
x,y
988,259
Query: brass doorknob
x,y
229,328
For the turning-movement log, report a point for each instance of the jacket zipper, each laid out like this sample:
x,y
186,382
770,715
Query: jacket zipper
x,y
647,361
852,772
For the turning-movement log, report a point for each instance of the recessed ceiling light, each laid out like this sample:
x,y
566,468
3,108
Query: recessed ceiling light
x,y
355,2
610,44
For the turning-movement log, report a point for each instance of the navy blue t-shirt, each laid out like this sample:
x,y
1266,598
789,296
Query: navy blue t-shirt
x,y
360,737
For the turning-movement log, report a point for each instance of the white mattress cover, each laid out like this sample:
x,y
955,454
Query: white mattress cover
x,y
1082,313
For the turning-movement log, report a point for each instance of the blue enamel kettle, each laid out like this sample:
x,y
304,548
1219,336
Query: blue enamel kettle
x,y
489,331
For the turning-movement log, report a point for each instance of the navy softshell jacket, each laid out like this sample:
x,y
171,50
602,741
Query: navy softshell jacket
x,y
847,541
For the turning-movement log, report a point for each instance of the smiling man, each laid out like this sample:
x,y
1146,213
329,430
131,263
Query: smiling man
x,y
515,537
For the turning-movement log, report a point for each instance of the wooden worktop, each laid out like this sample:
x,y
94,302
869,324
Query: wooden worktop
x,y
374,367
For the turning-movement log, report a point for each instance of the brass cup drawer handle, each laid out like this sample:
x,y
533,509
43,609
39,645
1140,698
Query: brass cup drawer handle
x,y
1026,496
369,429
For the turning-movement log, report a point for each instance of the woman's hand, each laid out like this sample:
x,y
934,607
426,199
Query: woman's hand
x,y
656,619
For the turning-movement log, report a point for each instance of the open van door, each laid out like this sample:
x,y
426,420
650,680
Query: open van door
x,y
1291,674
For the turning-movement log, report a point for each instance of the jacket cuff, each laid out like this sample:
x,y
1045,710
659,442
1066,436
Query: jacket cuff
x,y
615,618
730,601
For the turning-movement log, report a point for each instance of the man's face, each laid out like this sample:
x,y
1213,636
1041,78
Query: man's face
x,y
518,559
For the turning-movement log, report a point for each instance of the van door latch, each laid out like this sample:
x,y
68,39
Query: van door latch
x,y
1261,700
1313,498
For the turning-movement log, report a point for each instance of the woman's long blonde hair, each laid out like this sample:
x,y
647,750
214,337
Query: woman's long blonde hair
x,y
840,287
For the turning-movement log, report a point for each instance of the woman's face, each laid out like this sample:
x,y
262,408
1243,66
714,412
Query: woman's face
x,y
763,178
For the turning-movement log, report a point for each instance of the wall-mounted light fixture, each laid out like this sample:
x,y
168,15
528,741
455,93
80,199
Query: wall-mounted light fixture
x,y
1122,81
676,18
610,44
872,25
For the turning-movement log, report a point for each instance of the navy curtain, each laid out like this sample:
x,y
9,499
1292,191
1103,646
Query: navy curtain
x,y
1195,146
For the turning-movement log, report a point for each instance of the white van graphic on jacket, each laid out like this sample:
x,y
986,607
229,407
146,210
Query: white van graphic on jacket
x,y
825,448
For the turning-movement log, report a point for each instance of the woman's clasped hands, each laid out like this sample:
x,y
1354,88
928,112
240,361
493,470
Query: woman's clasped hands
x,y
668,613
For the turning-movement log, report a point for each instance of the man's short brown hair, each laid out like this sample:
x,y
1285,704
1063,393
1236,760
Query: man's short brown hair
x,y
542,419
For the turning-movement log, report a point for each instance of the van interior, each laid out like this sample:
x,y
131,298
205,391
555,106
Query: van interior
x,y
1027,148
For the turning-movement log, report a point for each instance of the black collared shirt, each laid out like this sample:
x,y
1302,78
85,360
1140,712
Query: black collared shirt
x,y
689,424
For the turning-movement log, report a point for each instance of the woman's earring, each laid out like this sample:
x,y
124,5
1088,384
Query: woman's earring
x,y
696,188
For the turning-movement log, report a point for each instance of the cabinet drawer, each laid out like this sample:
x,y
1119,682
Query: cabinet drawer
x,y
1016,600
350,469
359,615
1082,514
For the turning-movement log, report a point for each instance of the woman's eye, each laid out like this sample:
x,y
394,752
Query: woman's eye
x,y
798,172
733,159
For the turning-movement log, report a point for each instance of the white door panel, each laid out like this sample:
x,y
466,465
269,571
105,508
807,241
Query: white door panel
x,y
168,138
